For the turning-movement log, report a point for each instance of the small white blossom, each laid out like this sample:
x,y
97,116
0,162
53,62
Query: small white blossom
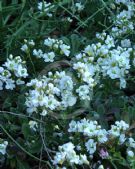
x,y
131,143
126,43
33,125
69,19
65,49
130,153
101,167
24,48
46,7
3,147
83,92
79,6
49,57
91,146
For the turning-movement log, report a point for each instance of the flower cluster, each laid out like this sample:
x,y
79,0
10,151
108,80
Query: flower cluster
x,y
27,45
131,147
52,92
67,153
124,20
116,65
12,73
79,7
48,57
118,128
46,7
54,47
58,45
96,141
103,59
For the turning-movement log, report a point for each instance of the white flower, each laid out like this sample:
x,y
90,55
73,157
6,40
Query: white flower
x,y
126,43
79,6
78,148
89,50
21,71
3,147
44,113
114,72
68,99
65,49
115,131
33,125
45,7
24,48
109,41
49,57
31,43
72,126
131,142
130,153
83,160
101,167
84,73
122,83
122,125
67,147
91,146
122,138
118,128
73,158
10,84
66,83
38,53
20,82
49,42
59,158
102,136
69,19
84,92
79,56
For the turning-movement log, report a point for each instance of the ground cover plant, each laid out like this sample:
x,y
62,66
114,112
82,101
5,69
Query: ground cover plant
x,y
67,85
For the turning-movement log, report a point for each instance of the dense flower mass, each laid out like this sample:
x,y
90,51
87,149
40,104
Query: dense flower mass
x,y
52,92
102,59
94,139
12,73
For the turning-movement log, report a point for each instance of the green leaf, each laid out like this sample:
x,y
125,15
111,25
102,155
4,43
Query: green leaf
x,y
7,103
22,164
75,44
26,130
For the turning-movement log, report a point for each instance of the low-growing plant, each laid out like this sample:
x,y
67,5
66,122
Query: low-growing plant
x,y
67,84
